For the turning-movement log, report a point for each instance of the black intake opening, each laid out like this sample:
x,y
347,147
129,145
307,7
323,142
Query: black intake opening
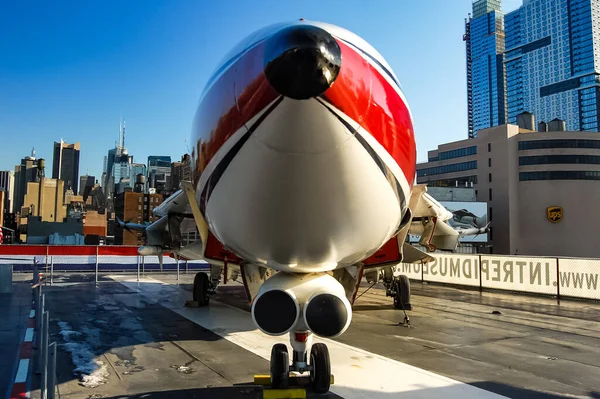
x,y
326,315
275,312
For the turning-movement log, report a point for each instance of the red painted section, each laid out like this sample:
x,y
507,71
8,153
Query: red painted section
x,y
389,252
235,98
22,249
26,350
217,251
363,94
117,250
31,323
57,250
19,391
66,250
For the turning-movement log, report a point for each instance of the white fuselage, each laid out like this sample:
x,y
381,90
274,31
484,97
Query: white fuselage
x,y
303,194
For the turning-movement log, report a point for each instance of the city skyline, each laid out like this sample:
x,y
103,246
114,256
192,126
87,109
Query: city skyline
x,y
78,82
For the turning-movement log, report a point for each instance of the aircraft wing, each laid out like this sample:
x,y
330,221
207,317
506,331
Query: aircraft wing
x,y
429,221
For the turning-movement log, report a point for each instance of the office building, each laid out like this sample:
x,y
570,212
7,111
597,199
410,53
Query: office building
x,y
27,171
7,182
553,61
134,207
44,200
117,171
65,164
541,187
484,39
159,174
138,169
181,171
86,182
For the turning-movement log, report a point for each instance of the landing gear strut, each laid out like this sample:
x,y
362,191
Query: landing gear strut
x,y
319,366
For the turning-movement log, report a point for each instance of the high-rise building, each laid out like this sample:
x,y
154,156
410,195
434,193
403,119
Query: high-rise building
x,y
117,167
137,169
553,62
65,165
26,172
180,171
86,182
484,38
159,173
7,182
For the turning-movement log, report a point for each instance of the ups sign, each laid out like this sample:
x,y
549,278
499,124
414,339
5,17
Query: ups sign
x,y
554,213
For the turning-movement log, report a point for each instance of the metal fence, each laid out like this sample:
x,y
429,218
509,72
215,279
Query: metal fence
x,y
560,277
99,260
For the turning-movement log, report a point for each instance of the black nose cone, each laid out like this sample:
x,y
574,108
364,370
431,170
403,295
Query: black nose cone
x,y
302,61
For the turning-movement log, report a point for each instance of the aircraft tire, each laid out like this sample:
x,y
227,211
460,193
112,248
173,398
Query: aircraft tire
x,y
402,297
320,375
280,366
200,290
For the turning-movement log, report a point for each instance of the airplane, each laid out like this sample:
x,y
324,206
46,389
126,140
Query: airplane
x,y
304,165
441,228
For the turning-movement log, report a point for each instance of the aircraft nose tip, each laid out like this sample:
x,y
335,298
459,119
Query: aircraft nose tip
x,y
302,61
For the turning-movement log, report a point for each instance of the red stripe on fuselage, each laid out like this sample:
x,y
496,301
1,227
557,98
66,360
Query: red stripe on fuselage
x,y
238,95
364,95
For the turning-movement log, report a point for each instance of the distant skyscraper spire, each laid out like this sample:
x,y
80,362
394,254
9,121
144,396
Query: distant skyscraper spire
x,y
123,137
120,132
33,152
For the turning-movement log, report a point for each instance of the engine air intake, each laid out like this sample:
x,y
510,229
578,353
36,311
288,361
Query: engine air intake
x,y
326,315
275,312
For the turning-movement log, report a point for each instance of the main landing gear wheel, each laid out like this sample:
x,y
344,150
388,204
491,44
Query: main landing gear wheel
x,y
200,290
280,366
402,289
320,375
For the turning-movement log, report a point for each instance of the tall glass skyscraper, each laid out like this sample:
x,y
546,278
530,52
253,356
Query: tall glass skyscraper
x,y
552,58
484,37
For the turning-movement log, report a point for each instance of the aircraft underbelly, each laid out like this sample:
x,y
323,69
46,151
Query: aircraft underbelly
x,y
303,194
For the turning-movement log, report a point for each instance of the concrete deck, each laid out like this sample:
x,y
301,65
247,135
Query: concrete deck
x,y
146,343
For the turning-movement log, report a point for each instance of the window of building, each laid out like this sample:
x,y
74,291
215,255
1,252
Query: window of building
x,y
456,167
489,147
139,207
560,175
490,194
490,162
559,159
490,214
558,143
460,152
490,234
489,177
140,199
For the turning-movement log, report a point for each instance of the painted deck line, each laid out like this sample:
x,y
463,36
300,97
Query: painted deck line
x,y
359,374
29,335
22,371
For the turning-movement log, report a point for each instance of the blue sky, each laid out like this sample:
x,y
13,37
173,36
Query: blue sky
x,y
72,69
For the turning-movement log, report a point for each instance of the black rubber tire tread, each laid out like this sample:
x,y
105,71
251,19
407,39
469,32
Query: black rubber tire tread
x,y
321,373
280,367
402,293
200,291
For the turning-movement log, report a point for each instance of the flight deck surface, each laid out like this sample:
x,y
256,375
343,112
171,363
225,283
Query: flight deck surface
x,y
148,344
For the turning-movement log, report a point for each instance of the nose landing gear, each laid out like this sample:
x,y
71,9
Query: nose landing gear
x,y
318,367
